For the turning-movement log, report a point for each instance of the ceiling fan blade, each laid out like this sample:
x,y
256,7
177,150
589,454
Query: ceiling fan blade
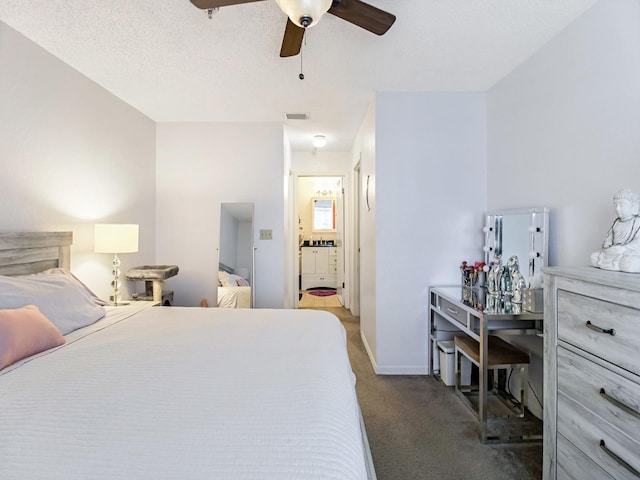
x,y
292,40
205,4
363,15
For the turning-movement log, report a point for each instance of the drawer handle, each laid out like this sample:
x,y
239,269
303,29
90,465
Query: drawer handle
x,y
452,311
619,404
603,446
596,328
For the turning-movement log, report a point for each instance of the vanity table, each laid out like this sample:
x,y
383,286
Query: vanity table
x,y
454,310
515,248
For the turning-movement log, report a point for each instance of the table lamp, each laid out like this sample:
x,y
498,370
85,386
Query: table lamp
x,y
116,238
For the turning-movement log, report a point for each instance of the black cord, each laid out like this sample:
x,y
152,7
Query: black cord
x,y
508,385
530,386
536,395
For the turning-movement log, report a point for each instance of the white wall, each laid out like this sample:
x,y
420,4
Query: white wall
x,y
320,162
564,128
72,155
430,178
199,166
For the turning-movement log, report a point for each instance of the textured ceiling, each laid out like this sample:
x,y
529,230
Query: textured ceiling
x,y
167,59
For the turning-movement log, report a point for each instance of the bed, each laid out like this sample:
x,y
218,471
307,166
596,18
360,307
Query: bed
x,y
234,291
176,392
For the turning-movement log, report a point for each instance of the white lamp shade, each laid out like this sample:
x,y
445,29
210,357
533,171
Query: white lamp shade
x,y
298,9
116,238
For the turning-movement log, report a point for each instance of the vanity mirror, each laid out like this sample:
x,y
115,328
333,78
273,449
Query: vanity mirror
x,y
323,214
523,233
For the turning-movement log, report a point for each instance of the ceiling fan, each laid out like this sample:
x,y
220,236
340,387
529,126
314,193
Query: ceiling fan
x,y
306,13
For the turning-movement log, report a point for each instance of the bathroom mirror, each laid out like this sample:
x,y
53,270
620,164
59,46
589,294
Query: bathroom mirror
x,y
235,257
323,214
520,232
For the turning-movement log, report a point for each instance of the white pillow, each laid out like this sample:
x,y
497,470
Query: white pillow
x,y
60,298
223,278
73,279
233,279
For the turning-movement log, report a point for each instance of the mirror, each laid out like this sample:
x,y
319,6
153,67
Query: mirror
x,y
323,214
235,256
520,232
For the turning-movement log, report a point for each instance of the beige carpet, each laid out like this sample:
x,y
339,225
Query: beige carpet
x,y
311,301
419,430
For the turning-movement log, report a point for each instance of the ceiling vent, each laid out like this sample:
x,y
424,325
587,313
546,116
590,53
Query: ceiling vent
x,y
297,116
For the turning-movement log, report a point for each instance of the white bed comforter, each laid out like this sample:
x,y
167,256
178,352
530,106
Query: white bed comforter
x,y
186,393
234,297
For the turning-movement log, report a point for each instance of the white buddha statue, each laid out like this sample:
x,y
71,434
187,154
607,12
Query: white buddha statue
x,y
621,246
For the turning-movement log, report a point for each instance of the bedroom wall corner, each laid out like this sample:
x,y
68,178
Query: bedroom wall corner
x,y
565,124
74,155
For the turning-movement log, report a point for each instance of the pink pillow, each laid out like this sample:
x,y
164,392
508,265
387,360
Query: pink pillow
x,y
25,331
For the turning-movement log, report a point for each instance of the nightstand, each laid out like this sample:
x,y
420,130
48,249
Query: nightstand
x,y
144,303
138,303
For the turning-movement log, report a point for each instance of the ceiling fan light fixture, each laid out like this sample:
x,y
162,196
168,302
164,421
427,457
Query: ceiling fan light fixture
x,y
319,141
304,13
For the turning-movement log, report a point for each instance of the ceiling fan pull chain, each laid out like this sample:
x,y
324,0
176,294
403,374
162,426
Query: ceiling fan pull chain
x,y
301,76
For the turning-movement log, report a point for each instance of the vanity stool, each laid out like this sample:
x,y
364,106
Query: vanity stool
x,y
501,356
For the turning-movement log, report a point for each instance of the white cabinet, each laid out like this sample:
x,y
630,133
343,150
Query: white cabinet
x,y
592,374
319,267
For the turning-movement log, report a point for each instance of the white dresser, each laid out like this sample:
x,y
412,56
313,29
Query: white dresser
x,y
592,374
319,267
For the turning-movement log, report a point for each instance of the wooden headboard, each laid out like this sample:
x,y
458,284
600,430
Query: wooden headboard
x,y
33,252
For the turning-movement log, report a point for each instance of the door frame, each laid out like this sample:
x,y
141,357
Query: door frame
x,y
346,233
355,282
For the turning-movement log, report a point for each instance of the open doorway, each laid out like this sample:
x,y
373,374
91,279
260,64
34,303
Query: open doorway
x,y
320,234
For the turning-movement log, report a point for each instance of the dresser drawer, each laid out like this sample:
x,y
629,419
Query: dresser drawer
x,y
586,431
454,311
579,316
575,465
318,280
583,381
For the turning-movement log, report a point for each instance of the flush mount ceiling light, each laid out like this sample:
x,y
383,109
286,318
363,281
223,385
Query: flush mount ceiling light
x,y
304,13
319,141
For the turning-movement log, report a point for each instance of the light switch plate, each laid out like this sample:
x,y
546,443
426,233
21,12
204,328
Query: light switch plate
x,y
266,234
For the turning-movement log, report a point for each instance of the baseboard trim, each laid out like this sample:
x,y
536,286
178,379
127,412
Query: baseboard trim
x,y
369,352
402,370
392,370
